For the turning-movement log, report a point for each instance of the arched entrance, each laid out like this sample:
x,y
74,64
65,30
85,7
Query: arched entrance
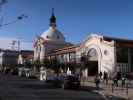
x,y
92,57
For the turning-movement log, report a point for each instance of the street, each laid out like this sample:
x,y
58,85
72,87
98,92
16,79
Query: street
x,y
20,88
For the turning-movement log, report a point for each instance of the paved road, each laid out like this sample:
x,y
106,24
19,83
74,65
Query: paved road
x,y
18,88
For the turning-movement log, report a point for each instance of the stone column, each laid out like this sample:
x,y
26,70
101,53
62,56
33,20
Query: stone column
x,y
42,52
35,53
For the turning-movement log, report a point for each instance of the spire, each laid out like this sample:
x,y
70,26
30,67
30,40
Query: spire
x,y
52,11
53,19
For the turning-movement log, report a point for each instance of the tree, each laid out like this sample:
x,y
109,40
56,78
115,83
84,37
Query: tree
x,y
20,65
55,65
46,63
37,64
28,64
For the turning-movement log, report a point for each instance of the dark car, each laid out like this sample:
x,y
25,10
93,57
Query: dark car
x,y
129,76
54,82
14,71
7,70
71,82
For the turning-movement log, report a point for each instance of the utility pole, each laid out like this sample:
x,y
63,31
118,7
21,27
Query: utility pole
x,y
13,44
19,46
19,43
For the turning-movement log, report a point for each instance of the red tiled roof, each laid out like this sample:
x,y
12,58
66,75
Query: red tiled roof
x,y
64,50
28,56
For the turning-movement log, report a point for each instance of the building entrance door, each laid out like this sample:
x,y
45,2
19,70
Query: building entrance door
x,y
92,68
92,62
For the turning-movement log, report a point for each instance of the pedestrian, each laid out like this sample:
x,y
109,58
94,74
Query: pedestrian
x,y
100,75
105,77
118,76
123,79
115,80
97,81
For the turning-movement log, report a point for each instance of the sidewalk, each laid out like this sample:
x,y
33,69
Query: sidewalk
x,y
107,89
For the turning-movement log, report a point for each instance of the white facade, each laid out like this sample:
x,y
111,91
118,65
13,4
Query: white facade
x,y
105,51
52,34
48,41
53,39
101,51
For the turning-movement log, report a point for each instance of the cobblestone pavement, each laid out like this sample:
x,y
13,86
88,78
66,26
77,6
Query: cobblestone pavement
x,y
106,90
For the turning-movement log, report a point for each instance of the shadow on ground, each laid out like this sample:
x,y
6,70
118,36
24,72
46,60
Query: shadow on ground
x,y
39,86
44,85
88,88
82,88
111,97
93,89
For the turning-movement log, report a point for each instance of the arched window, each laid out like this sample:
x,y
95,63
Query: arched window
x,y
92,55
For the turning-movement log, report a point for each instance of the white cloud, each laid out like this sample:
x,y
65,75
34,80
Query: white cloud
x,y
6,43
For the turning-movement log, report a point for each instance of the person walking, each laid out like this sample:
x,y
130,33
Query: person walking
x,y
115,80
105,77
97,81
123,80
100,75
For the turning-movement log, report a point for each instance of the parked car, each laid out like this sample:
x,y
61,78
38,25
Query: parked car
x,y
129,76
54,81
14,71
71,82
7,70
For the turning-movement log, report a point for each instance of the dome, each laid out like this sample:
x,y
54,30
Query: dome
x,y
52,34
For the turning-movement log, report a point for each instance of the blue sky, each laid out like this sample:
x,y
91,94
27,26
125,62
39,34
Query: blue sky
x,y
75,18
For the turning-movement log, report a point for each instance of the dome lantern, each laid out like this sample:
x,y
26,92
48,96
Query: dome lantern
x,y
53,19
53,34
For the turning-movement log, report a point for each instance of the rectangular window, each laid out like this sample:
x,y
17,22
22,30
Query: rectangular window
x,y
122,55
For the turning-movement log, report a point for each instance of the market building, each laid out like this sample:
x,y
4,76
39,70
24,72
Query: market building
x,y
103,53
